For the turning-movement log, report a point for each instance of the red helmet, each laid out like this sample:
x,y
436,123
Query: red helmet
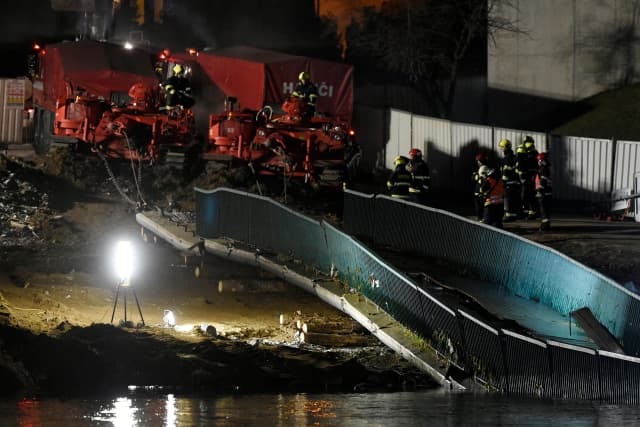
x,y
415,152
542,157
481,157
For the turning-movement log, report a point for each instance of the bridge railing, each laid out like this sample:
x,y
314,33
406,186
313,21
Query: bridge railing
x,y
504,360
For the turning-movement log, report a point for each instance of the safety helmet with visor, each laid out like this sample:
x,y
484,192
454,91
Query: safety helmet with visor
x,y
400,160
484,171
505,144
304,76
415,152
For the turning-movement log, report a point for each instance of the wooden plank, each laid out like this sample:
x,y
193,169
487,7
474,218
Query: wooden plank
x,y
596,331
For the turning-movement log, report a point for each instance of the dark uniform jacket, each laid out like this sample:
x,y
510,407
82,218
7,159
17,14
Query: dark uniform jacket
x,y
399,182
509,168
420,174
178,91
543,181
307,91
527,163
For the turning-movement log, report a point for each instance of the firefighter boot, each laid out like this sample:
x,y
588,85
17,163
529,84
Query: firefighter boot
x,y
545,225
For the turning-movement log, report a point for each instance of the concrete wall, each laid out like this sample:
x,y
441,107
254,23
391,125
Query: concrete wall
x,y
564,50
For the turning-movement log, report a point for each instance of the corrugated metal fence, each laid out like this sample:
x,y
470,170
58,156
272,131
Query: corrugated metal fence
x,y
585,169
12,114
504,360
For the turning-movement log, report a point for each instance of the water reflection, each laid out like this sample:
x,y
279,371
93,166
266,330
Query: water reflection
x,y
170,408
121,414
375,409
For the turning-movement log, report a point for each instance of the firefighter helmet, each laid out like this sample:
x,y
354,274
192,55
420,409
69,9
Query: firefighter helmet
x,y
415,152
481,158
484,171
177,69
505,144
400,160
542,157
528,142
304,76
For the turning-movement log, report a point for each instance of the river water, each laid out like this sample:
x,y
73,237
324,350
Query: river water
x,y
432,408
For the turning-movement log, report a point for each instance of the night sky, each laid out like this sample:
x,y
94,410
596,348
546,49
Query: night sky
x,y
286,25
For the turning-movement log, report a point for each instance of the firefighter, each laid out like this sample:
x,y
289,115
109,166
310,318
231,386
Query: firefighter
x,y
543,190
306,90
420,179
178,89
513,187
478,198
527,167
492,189
400,179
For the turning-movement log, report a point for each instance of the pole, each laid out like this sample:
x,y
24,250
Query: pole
x,y
115,303
138,304
124,296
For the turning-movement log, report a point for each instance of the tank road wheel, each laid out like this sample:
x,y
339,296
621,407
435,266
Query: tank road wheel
x,y
42,132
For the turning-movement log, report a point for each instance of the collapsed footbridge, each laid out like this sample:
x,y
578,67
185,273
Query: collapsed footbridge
x,y
426,282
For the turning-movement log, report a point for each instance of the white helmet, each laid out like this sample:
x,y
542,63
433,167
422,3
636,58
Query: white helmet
x,y
484,171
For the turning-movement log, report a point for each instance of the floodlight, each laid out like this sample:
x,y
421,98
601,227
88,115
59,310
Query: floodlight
x,y
128,46
169,319
124,261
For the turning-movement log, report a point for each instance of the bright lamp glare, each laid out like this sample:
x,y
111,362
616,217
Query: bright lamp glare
x,y
128,46
124,260
169,319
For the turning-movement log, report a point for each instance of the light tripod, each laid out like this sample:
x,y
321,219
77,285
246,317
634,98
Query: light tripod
x,y
124,284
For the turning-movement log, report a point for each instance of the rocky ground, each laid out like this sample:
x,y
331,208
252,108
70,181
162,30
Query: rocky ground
x,y
239,329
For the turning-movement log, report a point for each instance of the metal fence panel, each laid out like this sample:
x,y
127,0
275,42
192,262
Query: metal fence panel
x,y
399,136
527,363
359,214
516,136
466,142
484,349
394,293
550,277
627,164
574,372
581,168
207,213
619,378
280,229
371,127
234,212
433,137
12,98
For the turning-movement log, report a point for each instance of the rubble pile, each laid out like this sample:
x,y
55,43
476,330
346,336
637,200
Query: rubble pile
x,y
22,206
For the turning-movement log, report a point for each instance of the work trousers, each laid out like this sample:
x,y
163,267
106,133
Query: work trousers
x,y
493,215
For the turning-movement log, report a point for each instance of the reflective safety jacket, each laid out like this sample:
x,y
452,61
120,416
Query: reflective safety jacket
x,y
543,181
420,176
493,191
307,91
399,182
526,163
509,172
477,184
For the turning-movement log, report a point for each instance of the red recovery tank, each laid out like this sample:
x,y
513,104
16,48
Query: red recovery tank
x,y
315,150
105,98
266,127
